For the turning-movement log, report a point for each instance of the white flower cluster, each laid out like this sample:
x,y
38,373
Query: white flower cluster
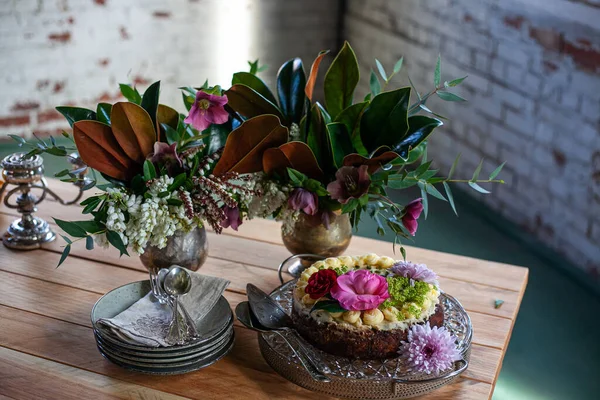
x,y
270,197
151,220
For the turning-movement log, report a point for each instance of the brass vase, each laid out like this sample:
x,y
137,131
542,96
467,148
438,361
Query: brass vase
x,y
188,250
304,236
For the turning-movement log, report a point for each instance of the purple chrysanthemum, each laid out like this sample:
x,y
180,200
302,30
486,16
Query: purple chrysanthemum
x,y
417,272
429,350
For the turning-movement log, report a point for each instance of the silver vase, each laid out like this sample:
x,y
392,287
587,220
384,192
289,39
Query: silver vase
x,y
188,250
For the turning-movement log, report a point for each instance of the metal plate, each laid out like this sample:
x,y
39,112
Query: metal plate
x,y
159,358
118,300
365,379
190,367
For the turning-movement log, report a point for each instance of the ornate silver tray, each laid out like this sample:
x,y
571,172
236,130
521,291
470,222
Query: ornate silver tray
x,y
366,379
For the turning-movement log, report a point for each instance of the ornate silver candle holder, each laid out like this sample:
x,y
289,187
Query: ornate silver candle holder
x,y
27,173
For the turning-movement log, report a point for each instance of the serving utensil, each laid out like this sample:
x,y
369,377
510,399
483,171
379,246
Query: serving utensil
x,y
272,317
178,282
247,318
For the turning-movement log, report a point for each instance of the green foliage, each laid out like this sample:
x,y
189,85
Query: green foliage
x,y
351,118
103,112
341,144
150,101
130,93
318,138
291,81
454,82
437,74
385,120
255,68
341,80
115,239
374,84
149,170
333,306
71,228
420,127
251,80
447,96
74,114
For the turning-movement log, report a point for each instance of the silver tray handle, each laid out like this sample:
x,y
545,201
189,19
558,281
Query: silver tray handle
x,y
291,259
450,374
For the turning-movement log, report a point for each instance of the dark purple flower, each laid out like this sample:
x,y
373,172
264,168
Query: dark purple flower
x,y
207,109
165,154
417,272
350,183
302,199
232,219
412,211
429,350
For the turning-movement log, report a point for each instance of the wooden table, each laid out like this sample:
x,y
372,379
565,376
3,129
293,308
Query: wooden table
x,y
47,349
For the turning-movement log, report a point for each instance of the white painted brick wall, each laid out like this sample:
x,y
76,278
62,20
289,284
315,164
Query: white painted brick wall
x,y
56,52
534,91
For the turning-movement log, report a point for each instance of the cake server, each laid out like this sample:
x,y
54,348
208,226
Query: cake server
x,y
246,317
271,316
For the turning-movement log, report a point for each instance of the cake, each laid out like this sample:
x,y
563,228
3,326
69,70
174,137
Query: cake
x,y
363,306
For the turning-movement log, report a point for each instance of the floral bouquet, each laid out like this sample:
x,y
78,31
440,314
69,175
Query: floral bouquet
x,y
340,157
158,167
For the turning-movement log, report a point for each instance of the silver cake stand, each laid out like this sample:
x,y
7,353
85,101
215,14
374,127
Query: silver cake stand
x,y
367,379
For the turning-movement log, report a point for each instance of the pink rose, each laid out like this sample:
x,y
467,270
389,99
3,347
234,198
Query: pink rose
x,y
207,109
360,290
412,212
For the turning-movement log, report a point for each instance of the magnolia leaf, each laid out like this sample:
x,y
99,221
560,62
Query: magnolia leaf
x,y
381,70
341,80
167,116
302,159
103,113
318,138
249,103
312,78
254,82
74,114
374,84
291,82
351,117
341,145
275,162
134,130
130,93
447,96
437,74
150,104
386,119
99,149
420,127
379,158
244,148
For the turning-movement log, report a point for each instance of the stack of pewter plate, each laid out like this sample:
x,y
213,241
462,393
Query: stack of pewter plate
x,y
215,340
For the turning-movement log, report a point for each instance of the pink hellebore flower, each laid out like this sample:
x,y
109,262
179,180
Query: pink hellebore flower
x,y
207,109
302,199
232,219
360,290
164,153
350,183
412,211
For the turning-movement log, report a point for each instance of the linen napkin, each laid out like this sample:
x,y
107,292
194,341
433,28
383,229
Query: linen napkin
x,y
146,322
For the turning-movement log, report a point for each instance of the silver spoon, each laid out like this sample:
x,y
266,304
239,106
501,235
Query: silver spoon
x,y
191,325
271,316
160,279
177,283
246,317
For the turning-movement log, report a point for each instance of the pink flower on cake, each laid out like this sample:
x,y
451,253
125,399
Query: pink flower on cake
x,y
429,350
207,109
360,290
412,212
302,199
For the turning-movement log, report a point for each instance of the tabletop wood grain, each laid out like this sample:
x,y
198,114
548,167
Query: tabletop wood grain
x,y
47,349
